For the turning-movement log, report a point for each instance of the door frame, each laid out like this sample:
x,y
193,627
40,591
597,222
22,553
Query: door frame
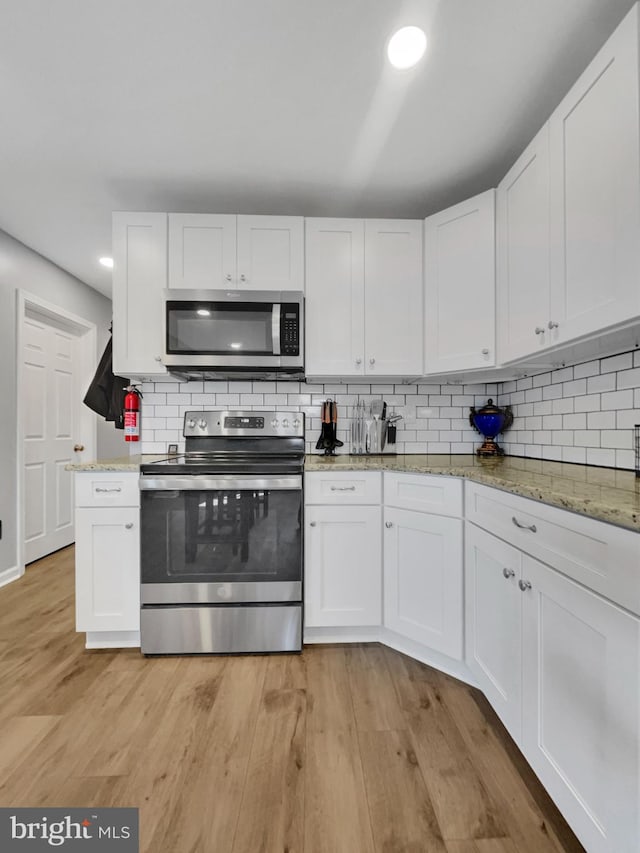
x,y
85,333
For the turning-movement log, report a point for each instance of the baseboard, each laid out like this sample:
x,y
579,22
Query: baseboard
x,y
112,640
341,635
10,575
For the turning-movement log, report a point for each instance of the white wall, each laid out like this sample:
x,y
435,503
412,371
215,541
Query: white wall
x,y
21,268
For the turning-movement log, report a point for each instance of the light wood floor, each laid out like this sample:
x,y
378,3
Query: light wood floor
x,y
339,750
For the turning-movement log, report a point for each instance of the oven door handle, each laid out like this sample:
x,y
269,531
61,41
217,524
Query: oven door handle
x,y
202,482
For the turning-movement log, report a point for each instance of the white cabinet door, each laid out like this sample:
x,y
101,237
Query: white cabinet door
x,y
202,251
393,297
423,579
581,708
334,300
493,623
522,243
595,203
343,566
460,278
270,252
108,569
139,277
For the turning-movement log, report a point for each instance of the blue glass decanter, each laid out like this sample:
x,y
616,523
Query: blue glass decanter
x,y
490,421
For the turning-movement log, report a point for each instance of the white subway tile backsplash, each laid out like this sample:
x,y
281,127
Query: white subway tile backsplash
x,y
576,414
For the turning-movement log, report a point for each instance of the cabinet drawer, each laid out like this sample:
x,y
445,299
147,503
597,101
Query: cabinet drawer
x,y
343,487
96,488
604,558
424,493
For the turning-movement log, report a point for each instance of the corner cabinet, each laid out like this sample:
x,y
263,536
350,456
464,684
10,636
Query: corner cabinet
x,y
108,559
216,251
459,269
139,277
559,663
363,297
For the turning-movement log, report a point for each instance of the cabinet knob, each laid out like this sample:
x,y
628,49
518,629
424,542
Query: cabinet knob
x,y
508,573
129,525
552,325
358,361
243,277
524,585
158,358
228,277
78,448
388,524
372,361
539,330
485,351
312,524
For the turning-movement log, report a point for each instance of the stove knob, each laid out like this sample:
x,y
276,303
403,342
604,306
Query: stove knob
x,y
191,423
275,423
296,423
285,422
202,423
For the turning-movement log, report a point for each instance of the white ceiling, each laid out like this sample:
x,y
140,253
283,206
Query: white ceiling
x,y
268,106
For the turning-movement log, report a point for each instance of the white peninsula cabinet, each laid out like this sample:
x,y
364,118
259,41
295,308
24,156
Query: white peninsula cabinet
x,y
108,558
139,277
460,270
343,561
216,251
363,297
559,662
423,560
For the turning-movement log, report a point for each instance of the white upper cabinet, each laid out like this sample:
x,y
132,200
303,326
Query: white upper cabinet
x,y
393,297
335,297
363,297
595,193
139,277
522,221
211,251
202,251
459,259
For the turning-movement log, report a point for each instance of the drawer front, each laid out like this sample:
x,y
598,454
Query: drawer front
x,y
604,558
424,493
343,487
94,488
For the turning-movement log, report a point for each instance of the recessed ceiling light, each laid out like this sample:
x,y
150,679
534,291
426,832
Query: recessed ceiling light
x,y
107,262
406,47
203,312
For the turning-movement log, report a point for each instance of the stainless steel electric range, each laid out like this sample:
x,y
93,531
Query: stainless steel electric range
x,y
221,537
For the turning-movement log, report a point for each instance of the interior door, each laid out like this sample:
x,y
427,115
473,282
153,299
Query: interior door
x,y
49,370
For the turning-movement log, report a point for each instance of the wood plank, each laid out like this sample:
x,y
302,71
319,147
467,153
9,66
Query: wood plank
x,y
271,815
401,812
336,815
375,702
464,807
19,737
329,704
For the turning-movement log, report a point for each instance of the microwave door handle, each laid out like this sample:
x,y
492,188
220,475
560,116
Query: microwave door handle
x,y
275,328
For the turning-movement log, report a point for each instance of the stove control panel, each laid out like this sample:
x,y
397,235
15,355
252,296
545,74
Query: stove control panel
x,y
225,423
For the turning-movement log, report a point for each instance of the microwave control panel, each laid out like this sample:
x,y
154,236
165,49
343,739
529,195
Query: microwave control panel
x,y
289,329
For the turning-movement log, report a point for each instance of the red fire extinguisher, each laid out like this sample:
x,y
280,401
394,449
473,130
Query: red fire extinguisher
x,y
132,413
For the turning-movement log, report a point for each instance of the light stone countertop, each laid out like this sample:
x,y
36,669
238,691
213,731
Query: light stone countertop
x,y
606,494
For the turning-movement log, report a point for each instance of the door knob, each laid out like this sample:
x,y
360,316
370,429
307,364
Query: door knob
x,y
78,448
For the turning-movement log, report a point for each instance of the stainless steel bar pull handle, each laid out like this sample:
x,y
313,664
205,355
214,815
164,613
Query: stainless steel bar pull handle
x,y
343,488
530,527
524,585
116,489
508,573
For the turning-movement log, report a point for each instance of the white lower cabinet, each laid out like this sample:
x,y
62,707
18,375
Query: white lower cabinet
x,y
560,665
108,559
343,566
423,579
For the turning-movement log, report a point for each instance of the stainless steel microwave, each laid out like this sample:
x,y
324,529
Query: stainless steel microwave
x,y
234,333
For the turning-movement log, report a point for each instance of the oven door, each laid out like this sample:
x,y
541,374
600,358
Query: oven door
x,y
220,539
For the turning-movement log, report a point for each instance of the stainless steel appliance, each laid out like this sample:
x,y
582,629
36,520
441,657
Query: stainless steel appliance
x,y
234,333
221,537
